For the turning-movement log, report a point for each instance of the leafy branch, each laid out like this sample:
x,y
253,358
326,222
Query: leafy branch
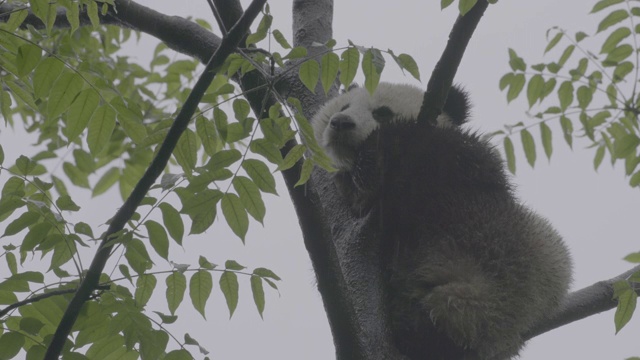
x,y
90,282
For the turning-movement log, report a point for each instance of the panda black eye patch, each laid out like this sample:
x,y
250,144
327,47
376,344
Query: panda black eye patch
x,y
383,113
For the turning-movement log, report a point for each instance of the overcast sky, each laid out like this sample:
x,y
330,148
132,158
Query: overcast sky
x,y
595,212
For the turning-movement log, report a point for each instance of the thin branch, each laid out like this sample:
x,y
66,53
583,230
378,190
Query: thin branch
x,y
229,11
39,297
582,303
216,15
90,283
446,68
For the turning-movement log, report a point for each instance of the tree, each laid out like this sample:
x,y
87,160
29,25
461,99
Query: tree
x,y
134,129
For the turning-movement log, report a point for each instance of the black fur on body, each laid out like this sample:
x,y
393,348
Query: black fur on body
x,y
469,268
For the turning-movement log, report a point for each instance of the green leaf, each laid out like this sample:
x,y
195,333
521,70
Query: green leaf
x,y
516,62
21,94
137,256
634,181
250,197
305,172
622,70
566,54
22,222
613,18
181,354
329,64
176,287
200,287
258,293
265,148
233,265
10,344
547,142
158,238
408,63
554,41
106,181
597,160
265,273
12,263
445,3
144,289
565,94
64,91
28,58
261,31
260,174
614,39
309,73
529,146
235,214
173,222
101,127
77,176
515,87
293,156
62,253
510,153
626,145
223,159
627,299
45,75
64,202
602,4
208,135
349,60
372,66
186,151
241,109
280,39
618,54
35,236
201,208
80,113
580,36
585,95
229,287
534,89
567,130
465,5
131,124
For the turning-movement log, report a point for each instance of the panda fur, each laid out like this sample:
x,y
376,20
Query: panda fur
x,y
469,268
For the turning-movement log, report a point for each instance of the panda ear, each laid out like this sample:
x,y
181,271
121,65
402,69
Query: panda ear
x,y
457,105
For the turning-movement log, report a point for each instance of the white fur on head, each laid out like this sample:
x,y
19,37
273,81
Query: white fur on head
x,y
341,145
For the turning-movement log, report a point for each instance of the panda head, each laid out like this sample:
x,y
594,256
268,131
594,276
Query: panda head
x,y
344,122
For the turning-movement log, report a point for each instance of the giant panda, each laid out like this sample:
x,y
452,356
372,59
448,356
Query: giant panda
x,y
469,269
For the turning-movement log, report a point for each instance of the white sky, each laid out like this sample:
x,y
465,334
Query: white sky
x,y
595,212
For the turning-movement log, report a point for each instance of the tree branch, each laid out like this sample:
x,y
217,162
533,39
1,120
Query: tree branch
x,y
39,297
90,282
446,68
582,303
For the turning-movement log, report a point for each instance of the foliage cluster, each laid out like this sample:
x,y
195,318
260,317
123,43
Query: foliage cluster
x,y
599,92
99,118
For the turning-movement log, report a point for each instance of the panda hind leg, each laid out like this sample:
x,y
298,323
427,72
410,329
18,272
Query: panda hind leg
x,y
470,307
